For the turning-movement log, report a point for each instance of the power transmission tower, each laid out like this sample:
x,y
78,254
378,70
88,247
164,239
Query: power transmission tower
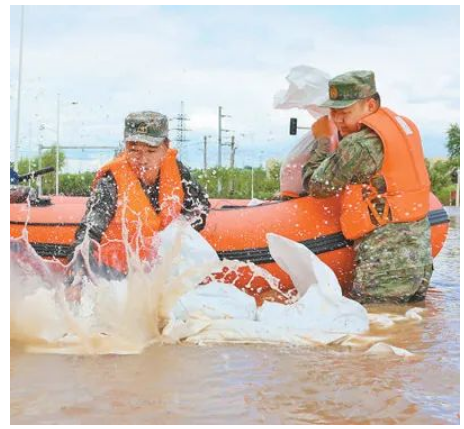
x,y
220,144
181,129
220,131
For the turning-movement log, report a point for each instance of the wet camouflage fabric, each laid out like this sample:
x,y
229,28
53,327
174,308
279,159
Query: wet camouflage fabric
x,y
346,89
358,157
101,206
147,127
394,262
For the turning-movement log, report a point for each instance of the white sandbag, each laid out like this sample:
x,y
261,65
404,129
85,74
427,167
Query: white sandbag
x,y
215,301
414,314
387,349
321,306
185,249
382,321
321,315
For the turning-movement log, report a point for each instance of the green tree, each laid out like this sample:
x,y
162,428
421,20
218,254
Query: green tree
x,y
453,143
48,159
440,179
77,184
238,182
442,173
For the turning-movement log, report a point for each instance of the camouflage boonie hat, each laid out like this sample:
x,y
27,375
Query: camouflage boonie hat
x,y
146,127
346,89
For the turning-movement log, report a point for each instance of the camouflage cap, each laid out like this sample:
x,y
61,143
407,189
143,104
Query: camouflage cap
x,y
347,88
146,127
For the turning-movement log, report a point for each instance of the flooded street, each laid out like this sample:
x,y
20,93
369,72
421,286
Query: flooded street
x,y
236,383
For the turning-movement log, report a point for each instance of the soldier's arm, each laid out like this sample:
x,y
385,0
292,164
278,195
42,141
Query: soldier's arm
x,y
319,153
196,204
101,208
358,157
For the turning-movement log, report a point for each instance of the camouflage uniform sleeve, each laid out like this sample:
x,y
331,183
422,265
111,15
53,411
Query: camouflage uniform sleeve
x,y
358,157
196,204
316,156
101,208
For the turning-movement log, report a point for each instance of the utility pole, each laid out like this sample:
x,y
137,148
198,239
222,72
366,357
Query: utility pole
x,y
29,151
219,136
57,157
42,147
181,130
20,73
57,153
39,166
205,152
252,183
233,148
220,144
457,187
232,165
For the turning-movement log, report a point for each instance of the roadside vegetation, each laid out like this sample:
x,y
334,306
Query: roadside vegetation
x,y
247,182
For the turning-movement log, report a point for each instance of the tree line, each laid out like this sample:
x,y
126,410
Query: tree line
x,y
247,182
443,173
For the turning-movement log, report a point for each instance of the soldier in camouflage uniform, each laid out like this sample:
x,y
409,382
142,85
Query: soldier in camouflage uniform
x,y
146,137
393,263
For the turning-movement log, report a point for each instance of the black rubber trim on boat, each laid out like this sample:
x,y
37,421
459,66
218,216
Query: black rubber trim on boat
x,y
16,222
438,216
52,250
262,255
327,243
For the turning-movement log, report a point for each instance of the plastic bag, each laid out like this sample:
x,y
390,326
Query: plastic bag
x,y
291,171
308,87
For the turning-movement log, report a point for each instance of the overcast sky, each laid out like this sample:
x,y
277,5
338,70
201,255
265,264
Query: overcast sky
x,y
112,60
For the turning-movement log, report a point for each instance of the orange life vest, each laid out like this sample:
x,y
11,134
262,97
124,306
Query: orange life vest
x,y
405,174
136,221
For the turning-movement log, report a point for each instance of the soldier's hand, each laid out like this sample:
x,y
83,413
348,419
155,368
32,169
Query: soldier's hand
x,y
323,145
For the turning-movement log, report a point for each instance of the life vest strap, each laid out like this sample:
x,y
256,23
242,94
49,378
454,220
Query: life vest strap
x,y
380,219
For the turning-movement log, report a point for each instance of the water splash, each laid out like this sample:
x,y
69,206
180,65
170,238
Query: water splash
x,y
174,298
110,316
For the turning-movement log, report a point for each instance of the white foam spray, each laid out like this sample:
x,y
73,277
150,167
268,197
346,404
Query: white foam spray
x,y
162,301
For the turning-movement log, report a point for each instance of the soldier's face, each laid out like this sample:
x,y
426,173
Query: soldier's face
x,y
348,119
146,160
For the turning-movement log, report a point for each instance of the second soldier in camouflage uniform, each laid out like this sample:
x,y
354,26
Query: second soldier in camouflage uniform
x,y
394,262
103,201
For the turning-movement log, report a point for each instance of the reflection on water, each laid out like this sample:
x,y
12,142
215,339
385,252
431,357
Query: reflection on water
x,y
260,383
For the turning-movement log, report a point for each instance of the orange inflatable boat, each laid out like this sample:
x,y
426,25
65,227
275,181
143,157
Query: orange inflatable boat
x,y
234,229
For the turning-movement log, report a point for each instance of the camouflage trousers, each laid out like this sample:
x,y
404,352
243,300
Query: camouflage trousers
x,y
393,263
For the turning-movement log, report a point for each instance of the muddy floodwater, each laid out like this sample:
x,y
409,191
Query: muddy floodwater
x,y
230,383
